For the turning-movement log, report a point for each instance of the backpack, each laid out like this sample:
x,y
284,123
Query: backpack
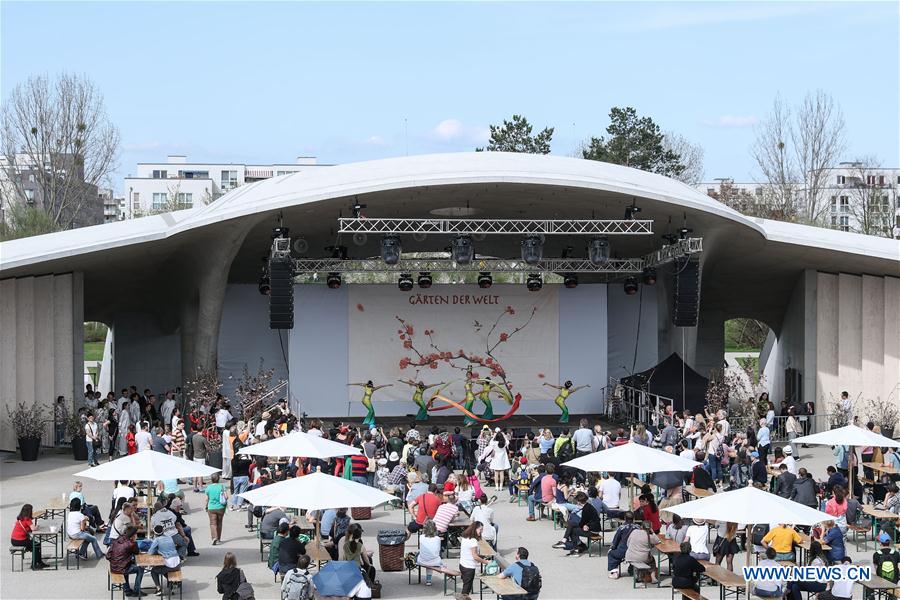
x,y
886,565
531,578
244,590
298,586
565,451
758,532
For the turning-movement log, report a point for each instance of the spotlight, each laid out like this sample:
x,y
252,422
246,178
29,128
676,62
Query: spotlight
x,y
425,280
631,286
534,282
462,249
264,286
570,280
649,276
532,250
670,238
405,283
485,280
683,233
598,250
390,249
357,209
333,281
280,232
631,211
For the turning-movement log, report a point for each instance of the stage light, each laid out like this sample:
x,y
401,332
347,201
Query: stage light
x,y
405,283
390,249
280,232
534,282
485,280
683,233
570,280
532,249
333,281
649,276
598,250
425,280
264,286
631,286
357,209
462,249
631,211
669,238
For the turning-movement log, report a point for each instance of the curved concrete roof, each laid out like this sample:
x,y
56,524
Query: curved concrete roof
x,y
418,172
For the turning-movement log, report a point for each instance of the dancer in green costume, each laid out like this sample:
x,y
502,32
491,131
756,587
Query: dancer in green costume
x,y
369,388
418,391
565,390
485,396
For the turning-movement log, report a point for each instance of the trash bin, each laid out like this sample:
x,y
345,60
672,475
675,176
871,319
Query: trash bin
x,y
391,546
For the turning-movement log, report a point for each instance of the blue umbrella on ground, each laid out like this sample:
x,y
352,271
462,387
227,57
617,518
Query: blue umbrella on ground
x,y
337,578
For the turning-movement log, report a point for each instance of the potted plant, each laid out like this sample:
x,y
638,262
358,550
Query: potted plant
x,y
885,414
215,448
75,432
28,422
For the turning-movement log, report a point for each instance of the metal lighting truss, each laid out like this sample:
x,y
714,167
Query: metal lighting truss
x,y
625,266
497,226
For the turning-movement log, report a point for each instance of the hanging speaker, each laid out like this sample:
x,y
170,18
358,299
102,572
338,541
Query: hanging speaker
x,y
360,238
301,246
281,296
420,236
686,309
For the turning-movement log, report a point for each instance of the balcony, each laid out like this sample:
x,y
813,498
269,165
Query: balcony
x,y
258,174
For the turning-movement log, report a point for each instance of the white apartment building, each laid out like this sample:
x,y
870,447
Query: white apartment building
x,y
177,183
857,197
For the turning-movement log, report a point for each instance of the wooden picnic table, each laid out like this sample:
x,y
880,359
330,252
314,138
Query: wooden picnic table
x,y
880,587
148,561
665,547
55,507
882,468
46,535
730,584
697,492
485,550
504,586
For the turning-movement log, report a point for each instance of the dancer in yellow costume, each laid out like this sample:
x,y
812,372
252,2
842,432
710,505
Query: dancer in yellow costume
x,y
418,391
485,396
369,388
565,390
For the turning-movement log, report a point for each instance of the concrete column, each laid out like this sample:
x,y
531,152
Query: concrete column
x,y
44,384
826,341
8,357
850,335
710,343
872,364
810,328
891,388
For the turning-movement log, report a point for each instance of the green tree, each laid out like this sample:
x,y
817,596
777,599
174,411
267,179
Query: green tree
x,y
636,142
516,136
23,220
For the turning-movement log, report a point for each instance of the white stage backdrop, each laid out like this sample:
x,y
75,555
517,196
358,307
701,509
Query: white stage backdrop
x,y
396,336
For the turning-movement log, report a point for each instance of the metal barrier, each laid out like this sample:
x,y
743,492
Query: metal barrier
x,y
629,405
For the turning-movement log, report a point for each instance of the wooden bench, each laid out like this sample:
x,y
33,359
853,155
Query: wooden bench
x,y
263,545
599,538
688,593
860,530
636,569
173,580
74,548
13,551
115,582
449,574
500,586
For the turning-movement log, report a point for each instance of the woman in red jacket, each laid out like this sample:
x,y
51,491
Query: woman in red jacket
x,y
21,537
650,511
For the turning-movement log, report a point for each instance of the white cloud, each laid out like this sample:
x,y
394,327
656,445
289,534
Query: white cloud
x,y
731,121
448,130
375,140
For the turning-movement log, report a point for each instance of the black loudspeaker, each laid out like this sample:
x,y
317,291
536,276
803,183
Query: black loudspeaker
x,y
281,297
686,308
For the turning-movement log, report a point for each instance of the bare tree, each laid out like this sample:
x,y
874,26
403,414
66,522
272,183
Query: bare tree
x,y
58,142
690,155
818,140
872,198
775,160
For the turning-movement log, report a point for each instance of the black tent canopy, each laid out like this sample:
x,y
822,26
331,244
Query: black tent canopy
x,y
665,379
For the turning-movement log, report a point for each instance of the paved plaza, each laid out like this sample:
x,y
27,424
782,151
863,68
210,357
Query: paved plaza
x,y
563,577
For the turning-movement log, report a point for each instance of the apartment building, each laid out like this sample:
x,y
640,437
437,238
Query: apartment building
x,y
178,184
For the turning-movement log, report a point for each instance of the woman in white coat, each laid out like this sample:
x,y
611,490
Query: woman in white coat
x,y
497,450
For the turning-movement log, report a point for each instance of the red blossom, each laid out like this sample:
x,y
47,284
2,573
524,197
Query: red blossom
x,y
510,310
402,336
433,366
407,344
409,329
541,375
504,336
360,308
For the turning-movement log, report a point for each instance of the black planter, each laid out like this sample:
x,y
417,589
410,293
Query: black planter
x,y
29,448
887,432
214,459
79,448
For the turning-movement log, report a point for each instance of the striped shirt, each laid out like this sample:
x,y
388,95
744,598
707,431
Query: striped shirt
x,y
445,514
178,442
360,465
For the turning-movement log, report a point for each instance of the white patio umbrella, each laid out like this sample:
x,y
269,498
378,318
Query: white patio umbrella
x,y
849,435
299,443
147,466
631,458
317,491
750,505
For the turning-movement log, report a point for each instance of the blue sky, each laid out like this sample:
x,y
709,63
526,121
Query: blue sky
x,y
258,82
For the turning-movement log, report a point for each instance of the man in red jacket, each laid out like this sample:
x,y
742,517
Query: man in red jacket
x,y
121,557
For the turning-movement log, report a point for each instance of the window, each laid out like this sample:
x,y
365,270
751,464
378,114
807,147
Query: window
x,y
833,220
229,180
870,180
185,200
159,200
834,204
710,191
29,196
845,223
160,174
841,180
31,178
881,180
845,204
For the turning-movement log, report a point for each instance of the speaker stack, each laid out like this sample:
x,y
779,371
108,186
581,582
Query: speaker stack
x,y
687,292
281,297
